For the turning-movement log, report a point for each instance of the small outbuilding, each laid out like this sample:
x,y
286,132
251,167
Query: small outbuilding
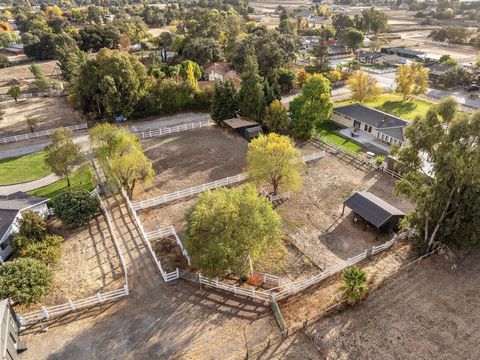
x,y
375,211
9,327
246,128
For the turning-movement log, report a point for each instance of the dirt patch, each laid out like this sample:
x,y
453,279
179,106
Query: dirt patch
x,y
426,312
169,254
23,75
192,158
317,300
49,113
88,264
312,217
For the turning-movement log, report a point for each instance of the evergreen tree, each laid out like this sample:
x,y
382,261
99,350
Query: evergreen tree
x,y
224,101
251,95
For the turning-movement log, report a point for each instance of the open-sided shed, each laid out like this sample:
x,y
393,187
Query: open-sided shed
x,y
246,128
377,212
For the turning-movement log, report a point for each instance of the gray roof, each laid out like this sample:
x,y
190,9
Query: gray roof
x,y
369,54
439,69
10,206
385,123
373,209
405,51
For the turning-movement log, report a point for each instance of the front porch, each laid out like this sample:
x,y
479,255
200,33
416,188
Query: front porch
x,y
367,140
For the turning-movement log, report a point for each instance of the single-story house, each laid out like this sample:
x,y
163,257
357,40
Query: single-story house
x,y
392,60
221,72
9,327
375,211
246,128
16,49
404,52
437,70
309,42
338,50
367,57
11,209
370,125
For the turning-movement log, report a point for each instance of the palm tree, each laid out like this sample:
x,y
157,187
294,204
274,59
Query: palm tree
x,y
355,284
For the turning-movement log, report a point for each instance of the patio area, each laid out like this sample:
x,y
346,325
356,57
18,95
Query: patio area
x,y
367,140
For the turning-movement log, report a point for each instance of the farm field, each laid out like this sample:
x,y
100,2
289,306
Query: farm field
x,y
21,73
49,113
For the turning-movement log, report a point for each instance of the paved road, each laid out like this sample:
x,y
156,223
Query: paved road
x,y
47,180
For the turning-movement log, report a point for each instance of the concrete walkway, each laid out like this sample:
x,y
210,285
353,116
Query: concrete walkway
x,y
28,186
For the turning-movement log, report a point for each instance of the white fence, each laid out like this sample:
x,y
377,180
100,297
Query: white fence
x,y
53,311
145,204
51,93
295,287
255,294
34,135
167,130
269,279
168,231
166,276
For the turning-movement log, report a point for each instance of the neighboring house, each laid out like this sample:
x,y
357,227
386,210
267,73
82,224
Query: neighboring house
x,y
338,51
404,52
11,209
370,127
16,49
309,42
9,343
392,60
221,72
437,70
368,57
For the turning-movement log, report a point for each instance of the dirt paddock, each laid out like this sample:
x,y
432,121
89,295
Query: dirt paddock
x,y
88,264
50,113
192,158
312,217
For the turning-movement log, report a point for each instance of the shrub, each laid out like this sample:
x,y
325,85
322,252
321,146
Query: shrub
x,y
379,160
32,226
25,280
355,284
47,251
4,62
76,207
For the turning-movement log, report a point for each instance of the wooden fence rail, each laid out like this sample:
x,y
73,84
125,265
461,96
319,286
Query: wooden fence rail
x,y
169,231
167,130
53,311
34,135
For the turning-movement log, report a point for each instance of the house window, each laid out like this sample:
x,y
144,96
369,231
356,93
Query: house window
x,y
357,124
369,129
365,128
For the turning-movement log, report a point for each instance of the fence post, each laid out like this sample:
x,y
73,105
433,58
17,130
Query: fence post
x,y
99,297
126,289
45,312
72,305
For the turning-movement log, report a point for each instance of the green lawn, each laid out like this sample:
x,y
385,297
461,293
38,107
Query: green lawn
x,y
393,104
23,169
327,130
81,178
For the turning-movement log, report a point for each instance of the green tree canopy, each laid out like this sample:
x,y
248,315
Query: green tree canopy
x,y
76,207
251,95
63,155
25,280
276,117
224,101
112,84
274,159
441,164
228,227
312,107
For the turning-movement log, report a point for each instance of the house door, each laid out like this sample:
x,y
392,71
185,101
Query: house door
x,y
356,124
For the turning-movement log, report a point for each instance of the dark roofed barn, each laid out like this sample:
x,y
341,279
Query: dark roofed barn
x,y
375,211
247,128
